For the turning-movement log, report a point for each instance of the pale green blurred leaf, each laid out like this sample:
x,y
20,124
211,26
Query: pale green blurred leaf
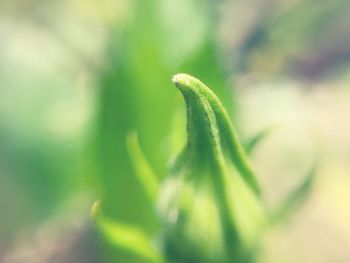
x,y
126,237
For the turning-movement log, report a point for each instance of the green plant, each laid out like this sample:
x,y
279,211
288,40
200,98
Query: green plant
x,y
132,94
209,206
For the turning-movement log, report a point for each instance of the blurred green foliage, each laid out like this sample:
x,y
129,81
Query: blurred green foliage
x,y
44,165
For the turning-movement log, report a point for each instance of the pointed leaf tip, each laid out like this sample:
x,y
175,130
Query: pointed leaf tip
x,y
186,81
95,208
180,78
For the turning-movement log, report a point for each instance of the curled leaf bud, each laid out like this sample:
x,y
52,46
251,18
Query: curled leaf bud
x,y
209,204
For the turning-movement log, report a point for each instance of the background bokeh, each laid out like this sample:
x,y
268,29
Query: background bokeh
x,y
76,77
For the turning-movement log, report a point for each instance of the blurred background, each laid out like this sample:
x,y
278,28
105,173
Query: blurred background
x,y
77,77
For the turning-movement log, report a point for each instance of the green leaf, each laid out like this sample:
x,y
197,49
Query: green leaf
x,y
129,238
144,172
296,198
253,142
208,205
228,134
